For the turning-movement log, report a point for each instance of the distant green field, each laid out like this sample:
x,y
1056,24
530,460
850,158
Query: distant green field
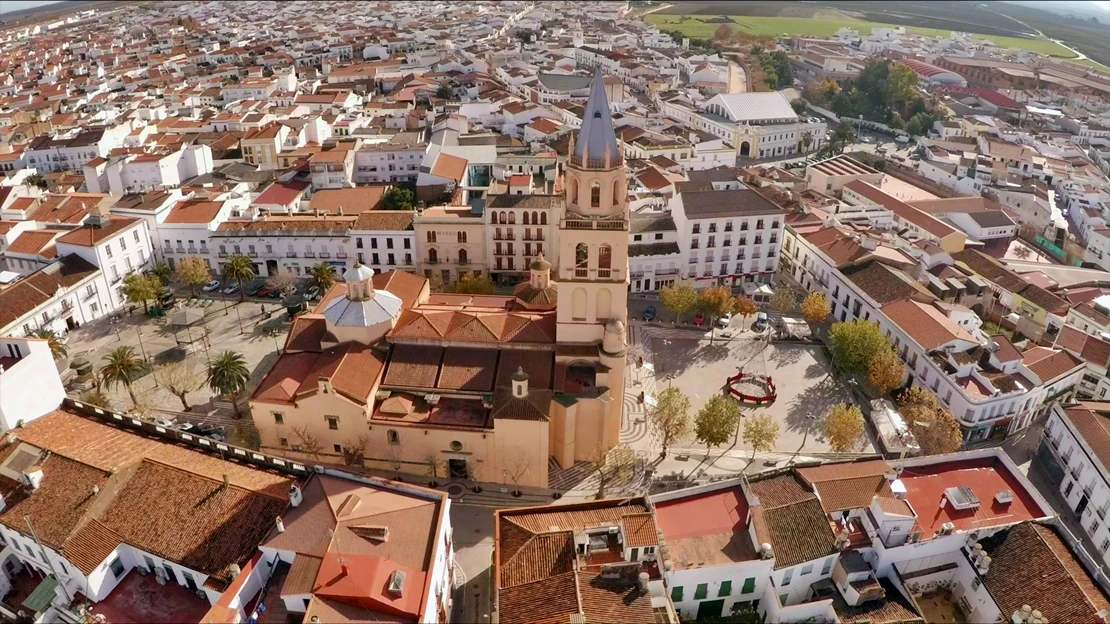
x,y
817,27
1092,63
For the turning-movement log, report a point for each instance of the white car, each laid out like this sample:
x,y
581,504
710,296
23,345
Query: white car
x,y
868,139
902,138
211,286
724,321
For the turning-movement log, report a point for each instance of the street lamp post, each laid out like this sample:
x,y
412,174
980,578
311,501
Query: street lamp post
x,y
238,316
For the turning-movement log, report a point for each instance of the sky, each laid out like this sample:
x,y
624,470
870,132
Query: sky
x,y
19,5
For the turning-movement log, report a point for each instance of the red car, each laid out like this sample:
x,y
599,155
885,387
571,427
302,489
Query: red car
x,y
699,318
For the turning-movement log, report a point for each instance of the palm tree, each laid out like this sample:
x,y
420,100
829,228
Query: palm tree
x,y
241,269
807,139
228,375
36,179
123,367
57,347
164,273
324,275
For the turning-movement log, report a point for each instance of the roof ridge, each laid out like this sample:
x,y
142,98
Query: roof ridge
x,y
208,478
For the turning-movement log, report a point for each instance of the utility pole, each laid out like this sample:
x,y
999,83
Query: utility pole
x,y
46,557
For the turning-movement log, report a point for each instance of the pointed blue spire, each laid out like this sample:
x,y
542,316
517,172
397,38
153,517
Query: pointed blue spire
x,y
596,138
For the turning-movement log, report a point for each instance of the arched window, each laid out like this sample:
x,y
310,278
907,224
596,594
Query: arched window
x,y
512,217
504,217
462,256
433,256
543,218
535,218
572,182
462,237
581,259
595,194
617,191
526,222
578,304
431,236
605,257
495,221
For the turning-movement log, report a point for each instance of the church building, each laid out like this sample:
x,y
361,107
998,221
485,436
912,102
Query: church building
x,y
386,374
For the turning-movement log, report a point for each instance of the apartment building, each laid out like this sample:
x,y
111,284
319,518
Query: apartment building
x,y
871,541
729,236
116,245
522,223
392,160
384,240
451,244
1072,451
332,169
654,255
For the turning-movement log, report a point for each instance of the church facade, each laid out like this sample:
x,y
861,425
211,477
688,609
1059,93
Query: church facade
x,y
388,375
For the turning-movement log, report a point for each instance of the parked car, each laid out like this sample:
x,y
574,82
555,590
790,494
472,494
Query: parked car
x,y
761,321
724,320
902,138
212,286
254,290
231,290
699,318
868,139
312,293
650,313
274,294
263,292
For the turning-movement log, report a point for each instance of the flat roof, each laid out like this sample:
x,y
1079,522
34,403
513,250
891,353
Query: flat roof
x,y
706,529
925,486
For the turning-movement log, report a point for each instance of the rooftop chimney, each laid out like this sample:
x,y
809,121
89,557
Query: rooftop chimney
x,y
520,383
278,524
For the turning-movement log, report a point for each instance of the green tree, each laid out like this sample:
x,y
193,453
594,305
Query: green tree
x,y
844,428
843,135
471,285
122,366
716,421
715,302
783,69
783,300
932,425
899,87
228,375
854,343
807,140
163,272
895,121
323,274
678,299
670,418
744,306
36,180
445,92
239,268
398,198
915,126
139,288
885,371
761,432
58,348
815,307
193,270
799,105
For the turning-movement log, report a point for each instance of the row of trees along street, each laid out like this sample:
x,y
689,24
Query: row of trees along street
x,y
717,301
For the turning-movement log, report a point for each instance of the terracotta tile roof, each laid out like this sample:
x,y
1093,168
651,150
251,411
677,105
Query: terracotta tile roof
x,y
1049,364
1090,348
305,333
535,406
27,294
843,494
1091,421
384,221
466,326
194,211
884,284
541,557
893,608
448,166
613,600
792,520
351,200
553,598
413,366
537,364
895,506
60,502
406,286
32,242
639,530
844,470
285,377
90,546
112,449
71,208
90,235
1030,565
302,575
468,369
926,325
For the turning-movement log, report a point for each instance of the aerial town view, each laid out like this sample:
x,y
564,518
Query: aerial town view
x,y
563,312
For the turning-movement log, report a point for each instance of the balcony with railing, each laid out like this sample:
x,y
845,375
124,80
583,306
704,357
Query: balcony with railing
x,y
66,306
586,223
1088,490
290,254
1101,511
222,254
88,294
1075,472
432,261
252,254
192,250
310,254
341,255
324,255
179,250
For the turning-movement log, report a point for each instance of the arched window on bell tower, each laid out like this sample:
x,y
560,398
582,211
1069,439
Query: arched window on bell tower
x,y
604,260
595,194
581,259
617,191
